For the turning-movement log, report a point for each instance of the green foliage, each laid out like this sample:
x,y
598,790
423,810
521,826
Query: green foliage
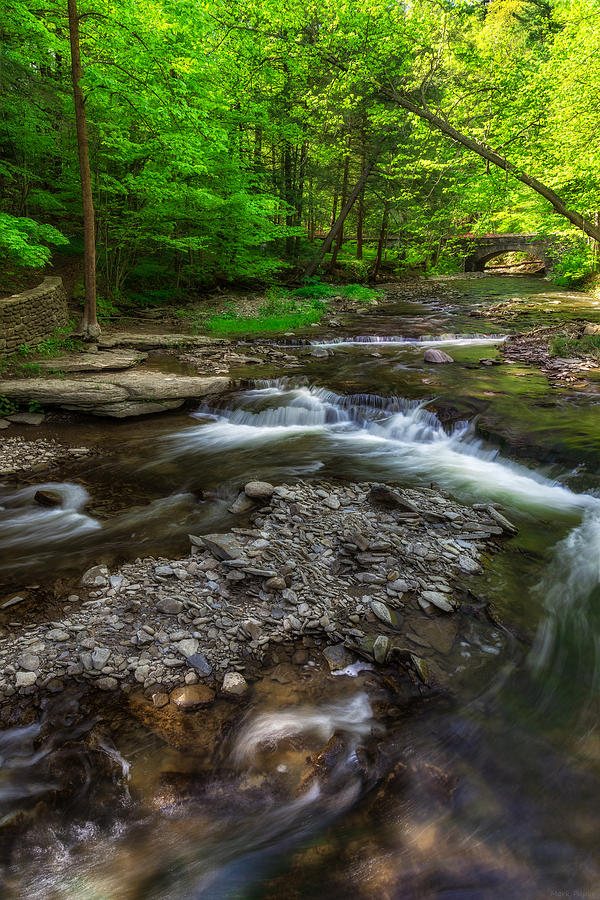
x,y
574,265
563,346
221,134
359,293
25,241
7,407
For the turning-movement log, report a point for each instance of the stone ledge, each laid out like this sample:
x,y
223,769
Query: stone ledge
x,y
117,396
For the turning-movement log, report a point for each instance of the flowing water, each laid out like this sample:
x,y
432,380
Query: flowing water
x,y
490,792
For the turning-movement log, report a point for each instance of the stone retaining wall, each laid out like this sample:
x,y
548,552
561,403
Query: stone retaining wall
x,y
32,316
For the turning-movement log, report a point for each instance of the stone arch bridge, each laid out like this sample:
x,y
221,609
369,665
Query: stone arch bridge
x,y
480,249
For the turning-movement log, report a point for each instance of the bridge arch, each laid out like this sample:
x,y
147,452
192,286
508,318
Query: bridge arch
x,y
479,250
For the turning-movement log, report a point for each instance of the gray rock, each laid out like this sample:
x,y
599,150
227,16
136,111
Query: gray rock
x,y
107,684
435,355
200,662
320,352
187,647
170,606
259,490
98,361
385,496
29,661
381,611
100,657
26,418
141,673
242,504
4,423
275,584
97,576
469,565
132,393
163,571
381,648
337,657
234,684
25,679
224,546
57,634
438,599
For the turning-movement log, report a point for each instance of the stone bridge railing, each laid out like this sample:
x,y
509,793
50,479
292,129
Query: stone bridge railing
x,y
32,316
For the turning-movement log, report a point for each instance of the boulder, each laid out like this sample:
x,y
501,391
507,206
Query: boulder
x,y
435,355
259,490
48,498
26,418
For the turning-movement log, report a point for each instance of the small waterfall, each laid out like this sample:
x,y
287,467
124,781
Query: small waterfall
x,y
378,437
423,341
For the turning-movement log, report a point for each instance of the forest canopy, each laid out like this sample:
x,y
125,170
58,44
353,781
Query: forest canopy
x,y
226,138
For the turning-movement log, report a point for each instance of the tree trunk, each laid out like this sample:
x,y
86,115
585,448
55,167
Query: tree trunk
x,y
89,327
340,235
300,195
382,237
324,249
360,224
559,205
288,196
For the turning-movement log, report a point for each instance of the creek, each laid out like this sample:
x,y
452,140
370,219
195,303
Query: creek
x,y
491,790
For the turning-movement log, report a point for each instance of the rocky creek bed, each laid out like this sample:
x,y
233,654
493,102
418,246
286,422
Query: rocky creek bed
x,y
356,570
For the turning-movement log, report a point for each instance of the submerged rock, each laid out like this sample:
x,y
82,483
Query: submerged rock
x,y
381,648
192,696
48,498
434,355
337,657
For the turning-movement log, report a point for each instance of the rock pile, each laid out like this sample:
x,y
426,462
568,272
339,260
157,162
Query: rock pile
x,y
18,456
352,566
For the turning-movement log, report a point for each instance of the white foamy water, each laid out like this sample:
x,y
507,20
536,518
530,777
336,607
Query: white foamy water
x,y
569,592
23,521
443,340
353,717
381,438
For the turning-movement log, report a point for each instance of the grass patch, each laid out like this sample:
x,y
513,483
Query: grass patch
x,y
360,293
563,346
282,309
22,362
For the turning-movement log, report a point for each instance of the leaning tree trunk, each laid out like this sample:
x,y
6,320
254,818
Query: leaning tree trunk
x,y
559,205
340,235
339,222
89,327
